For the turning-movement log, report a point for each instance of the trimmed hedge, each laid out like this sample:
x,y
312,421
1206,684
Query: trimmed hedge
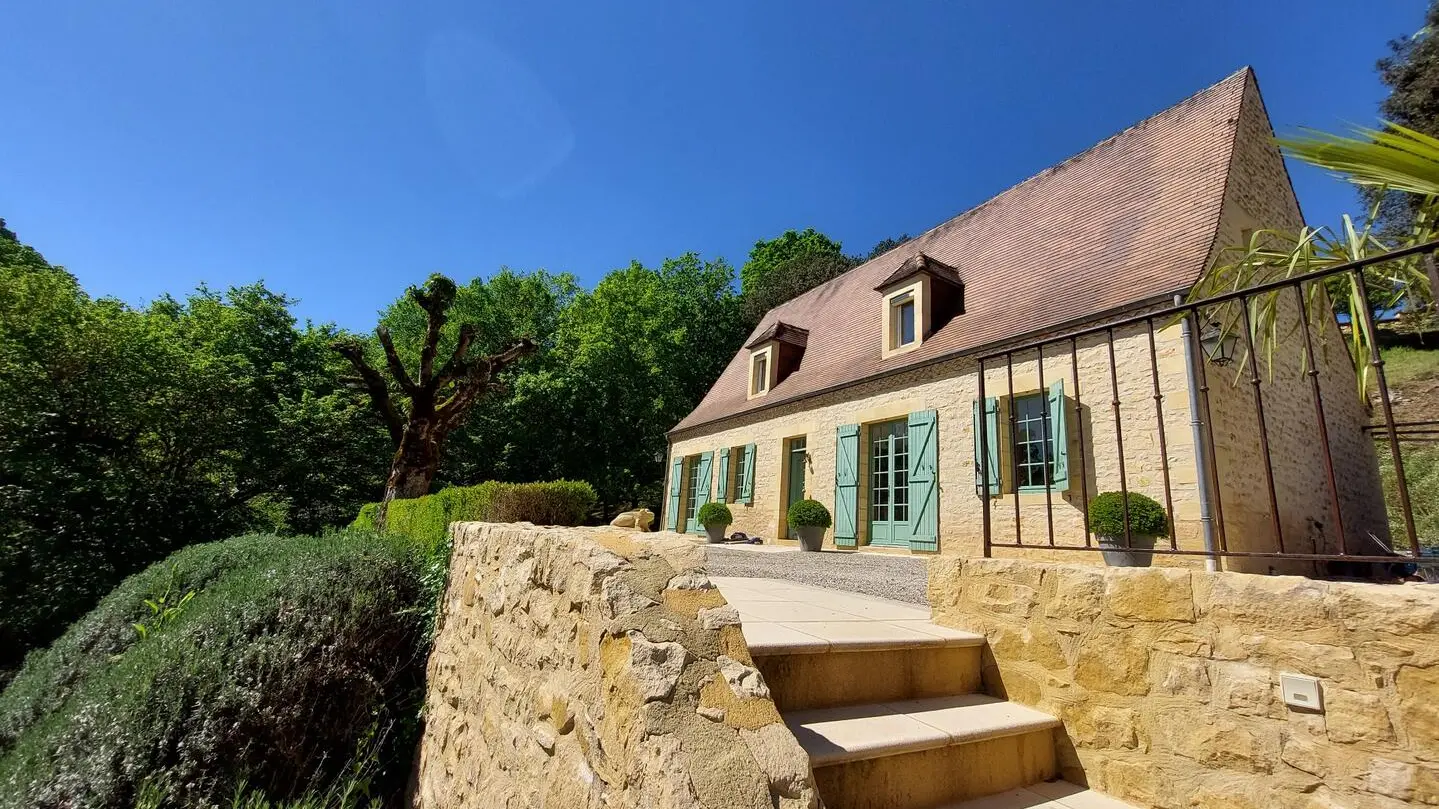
x,y
714,514
1146,517
810,513
291,653
426,520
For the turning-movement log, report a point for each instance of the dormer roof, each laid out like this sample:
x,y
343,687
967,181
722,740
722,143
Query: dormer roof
x,y
918,264
781,332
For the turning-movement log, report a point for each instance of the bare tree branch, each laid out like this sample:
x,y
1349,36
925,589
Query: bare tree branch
x,y
454,367
476,381
373,384
392,358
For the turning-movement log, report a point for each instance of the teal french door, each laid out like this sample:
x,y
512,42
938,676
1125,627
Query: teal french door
x,y
794,456
889,484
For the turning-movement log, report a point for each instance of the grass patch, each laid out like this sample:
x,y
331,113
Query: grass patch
x,y
1421,472
292,655
1403,364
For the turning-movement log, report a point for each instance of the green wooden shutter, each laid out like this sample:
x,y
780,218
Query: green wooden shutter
x,y
722,488
672,519
924,481
702,491
846,486
746,484
1059,436
987,424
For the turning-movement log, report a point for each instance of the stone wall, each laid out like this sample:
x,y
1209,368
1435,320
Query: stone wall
x,y
596,667
1259,196
1167,680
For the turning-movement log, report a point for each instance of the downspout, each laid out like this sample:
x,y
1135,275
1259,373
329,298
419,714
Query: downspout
x,y
1188,333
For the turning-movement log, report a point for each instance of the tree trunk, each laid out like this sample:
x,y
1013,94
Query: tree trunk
x,y
414,465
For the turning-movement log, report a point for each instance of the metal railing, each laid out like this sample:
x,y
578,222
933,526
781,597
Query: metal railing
x,y
1195,317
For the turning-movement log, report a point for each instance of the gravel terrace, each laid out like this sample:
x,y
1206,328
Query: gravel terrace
x,y
901,578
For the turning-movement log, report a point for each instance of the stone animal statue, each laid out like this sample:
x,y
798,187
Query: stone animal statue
x,y
640,518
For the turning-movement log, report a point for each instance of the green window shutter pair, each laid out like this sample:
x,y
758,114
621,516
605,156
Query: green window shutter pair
x,y
988,421
746,481
846,486
672,519
722,489
924,481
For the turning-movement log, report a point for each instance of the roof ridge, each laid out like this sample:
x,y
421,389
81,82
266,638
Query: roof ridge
x,y
1244,71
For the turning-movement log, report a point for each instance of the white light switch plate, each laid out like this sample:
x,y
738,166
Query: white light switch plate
x,y
1301,691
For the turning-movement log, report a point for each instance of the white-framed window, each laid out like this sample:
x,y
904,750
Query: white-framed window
x,y
902,320
759,372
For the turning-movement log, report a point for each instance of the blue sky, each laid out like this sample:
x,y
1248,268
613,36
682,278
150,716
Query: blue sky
x,y
341,150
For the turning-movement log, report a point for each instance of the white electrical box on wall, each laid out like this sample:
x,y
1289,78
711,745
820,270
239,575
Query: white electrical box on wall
x,y
1301,691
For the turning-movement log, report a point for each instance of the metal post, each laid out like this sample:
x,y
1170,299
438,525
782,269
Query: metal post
x,y
983,439
1189,333
1378,363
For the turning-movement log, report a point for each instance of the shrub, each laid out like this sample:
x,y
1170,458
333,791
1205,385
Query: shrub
x,y
714,514
1146,517
560,502
808,513
289,655
426,520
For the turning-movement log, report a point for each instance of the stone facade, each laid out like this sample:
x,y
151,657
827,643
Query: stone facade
x,y
1258,194
596,668
1167,680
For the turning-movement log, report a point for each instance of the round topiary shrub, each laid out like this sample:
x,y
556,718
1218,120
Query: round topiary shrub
x,y
1146,517
271,662
714,514
808,513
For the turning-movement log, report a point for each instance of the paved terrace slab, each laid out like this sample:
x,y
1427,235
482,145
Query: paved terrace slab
x,y
900,577
786,617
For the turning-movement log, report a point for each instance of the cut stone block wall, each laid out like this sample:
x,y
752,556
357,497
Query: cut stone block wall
x,y
596,667
1167,680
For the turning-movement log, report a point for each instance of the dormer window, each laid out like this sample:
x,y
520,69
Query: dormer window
x,y
902,321
920,297
759,375
775,354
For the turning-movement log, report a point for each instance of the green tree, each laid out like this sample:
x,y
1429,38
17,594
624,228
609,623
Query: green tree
x,y
767,256
791,279
1411,72
130,432
631,359
886,245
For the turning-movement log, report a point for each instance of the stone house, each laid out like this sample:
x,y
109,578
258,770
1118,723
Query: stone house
x,y
863,393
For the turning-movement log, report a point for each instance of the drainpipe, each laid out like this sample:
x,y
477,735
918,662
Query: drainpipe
x,y
1188,332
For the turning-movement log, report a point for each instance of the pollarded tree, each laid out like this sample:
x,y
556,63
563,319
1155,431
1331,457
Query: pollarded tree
x,y
421,412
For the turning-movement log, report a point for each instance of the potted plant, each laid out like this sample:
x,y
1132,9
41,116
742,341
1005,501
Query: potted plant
x,y
809,519
1146,521
715,517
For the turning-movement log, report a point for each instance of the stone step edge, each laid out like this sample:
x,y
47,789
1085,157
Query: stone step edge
x,y
978,712
817,645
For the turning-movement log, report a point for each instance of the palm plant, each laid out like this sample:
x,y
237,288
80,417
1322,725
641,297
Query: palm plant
x,y
1394,159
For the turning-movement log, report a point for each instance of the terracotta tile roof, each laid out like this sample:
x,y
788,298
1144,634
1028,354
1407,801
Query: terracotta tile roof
x,y
921,263
1129,220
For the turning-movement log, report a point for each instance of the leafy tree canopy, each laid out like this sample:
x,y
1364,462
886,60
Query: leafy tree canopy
x,y
766,256
130,432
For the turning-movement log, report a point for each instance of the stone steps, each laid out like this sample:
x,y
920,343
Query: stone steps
x,y
887,704
858,732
